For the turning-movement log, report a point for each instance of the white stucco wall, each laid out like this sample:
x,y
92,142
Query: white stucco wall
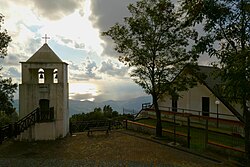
x,y
192,100
31,92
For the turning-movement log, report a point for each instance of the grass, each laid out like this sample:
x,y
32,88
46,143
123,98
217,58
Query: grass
x,y
198,134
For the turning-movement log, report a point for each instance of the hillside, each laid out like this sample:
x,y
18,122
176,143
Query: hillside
x,y
130,105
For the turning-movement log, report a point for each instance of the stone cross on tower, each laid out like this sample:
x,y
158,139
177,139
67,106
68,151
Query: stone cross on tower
x,y
46,38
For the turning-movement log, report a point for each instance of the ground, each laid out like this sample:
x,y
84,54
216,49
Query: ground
x,y
119,148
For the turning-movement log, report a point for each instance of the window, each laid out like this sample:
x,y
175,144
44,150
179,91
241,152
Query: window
x,y
41,76
174,105
205,106
55,76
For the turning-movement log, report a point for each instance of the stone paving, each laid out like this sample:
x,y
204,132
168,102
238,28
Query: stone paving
x,y
116,149
79,163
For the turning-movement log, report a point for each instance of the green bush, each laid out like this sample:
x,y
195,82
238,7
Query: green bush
x,y
7,119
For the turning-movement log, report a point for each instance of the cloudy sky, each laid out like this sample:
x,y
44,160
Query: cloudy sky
x,y
74,28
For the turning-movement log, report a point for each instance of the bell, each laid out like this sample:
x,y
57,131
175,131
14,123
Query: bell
x,y
41,76
55,73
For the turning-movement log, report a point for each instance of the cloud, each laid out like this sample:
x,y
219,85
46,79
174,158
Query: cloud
x,y
83,72
62,20
23,45
55,9
79,45
66,40
109,50
11,60
83,91
52,10
104,15
112,69
107,13
13,72
73,66
77,75
74,30
82,97
89,68
72,43
118,89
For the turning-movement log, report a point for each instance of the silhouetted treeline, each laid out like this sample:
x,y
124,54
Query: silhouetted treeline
x,y
98,114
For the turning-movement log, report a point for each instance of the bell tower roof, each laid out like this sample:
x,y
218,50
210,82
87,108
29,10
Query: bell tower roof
x,y
44,55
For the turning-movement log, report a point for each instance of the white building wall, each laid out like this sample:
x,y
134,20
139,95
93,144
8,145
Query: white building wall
x,y
31,92
192,100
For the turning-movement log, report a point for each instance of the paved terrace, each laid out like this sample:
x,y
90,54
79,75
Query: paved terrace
x,y
119,148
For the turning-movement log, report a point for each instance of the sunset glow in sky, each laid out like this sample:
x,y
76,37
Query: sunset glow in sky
x,y
74,28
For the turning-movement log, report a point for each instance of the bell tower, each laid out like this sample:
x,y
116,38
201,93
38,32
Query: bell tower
x,y
45,85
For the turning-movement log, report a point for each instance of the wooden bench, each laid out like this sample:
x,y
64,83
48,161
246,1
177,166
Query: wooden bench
x,y
99,128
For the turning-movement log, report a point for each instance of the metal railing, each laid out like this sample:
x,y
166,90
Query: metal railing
x,y
36,116
81,126
148,106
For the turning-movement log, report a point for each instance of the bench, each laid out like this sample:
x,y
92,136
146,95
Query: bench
x,y
99,128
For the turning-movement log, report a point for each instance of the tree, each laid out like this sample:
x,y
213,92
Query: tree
x,y
227,25
4,39
7,88
153,43
115,114
226,36
96,114
78,117
107,111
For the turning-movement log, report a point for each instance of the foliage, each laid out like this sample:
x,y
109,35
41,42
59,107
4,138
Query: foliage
x,y
226,36
7,88
4,39
6,119
98,114
154,44
107,111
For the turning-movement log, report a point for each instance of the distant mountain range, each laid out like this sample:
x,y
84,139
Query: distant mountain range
x,y
126,106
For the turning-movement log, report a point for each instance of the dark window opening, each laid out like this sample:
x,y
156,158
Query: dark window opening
x,y
55,76
174,105
205,106
41,76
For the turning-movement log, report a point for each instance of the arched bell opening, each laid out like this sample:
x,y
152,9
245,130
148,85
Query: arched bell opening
x,y
55,76
41,76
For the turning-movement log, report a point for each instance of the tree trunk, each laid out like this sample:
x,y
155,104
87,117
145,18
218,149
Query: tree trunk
x,y
158,117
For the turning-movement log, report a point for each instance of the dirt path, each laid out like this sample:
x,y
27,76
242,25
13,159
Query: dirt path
x,y
115,149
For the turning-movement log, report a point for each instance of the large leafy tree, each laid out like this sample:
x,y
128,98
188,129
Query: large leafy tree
x,y
226,36
7,88
153,43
